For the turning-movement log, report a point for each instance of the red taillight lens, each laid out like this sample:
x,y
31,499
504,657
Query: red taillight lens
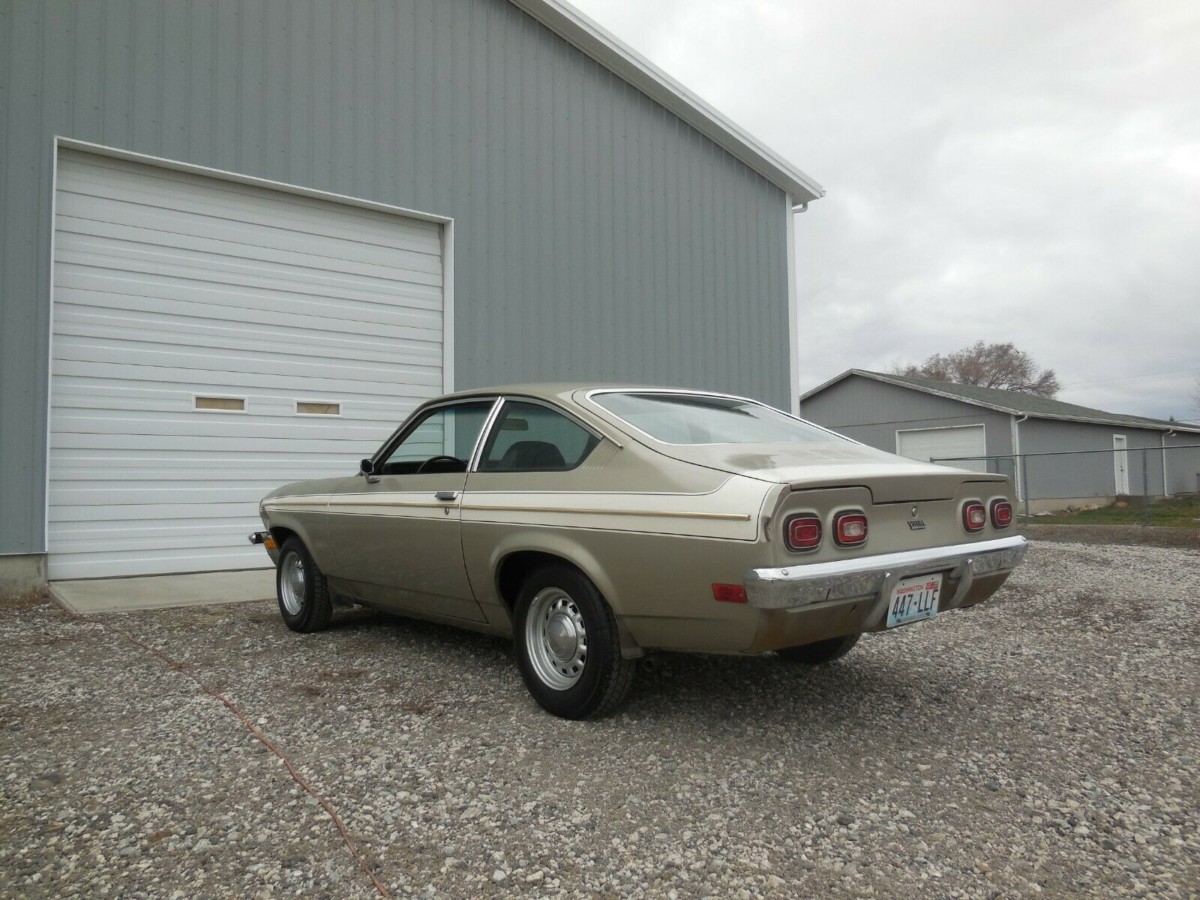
x,y
729,593
803,533
850,529
1001,513
974,516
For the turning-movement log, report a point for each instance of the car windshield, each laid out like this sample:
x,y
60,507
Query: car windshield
x,y
706,419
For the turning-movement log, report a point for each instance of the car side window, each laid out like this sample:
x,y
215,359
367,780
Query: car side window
x,y
441,441
529,437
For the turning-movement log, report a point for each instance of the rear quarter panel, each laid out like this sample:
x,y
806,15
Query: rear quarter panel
x,y
652,533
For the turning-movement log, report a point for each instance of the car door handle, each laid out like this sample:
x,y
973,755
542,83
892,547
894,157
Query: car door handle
x,y
446,495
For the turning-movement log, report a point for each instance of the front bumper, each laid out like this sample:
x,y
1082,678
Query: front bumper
x,y
796,587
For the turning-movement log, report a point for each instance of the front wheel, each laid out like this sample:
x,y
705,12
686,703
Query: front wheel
x,y
304,600
820,651
568,645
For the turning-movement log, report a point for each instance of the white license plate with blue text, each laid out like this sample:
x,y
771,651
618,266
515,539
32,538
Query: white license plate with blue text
x,y
914,599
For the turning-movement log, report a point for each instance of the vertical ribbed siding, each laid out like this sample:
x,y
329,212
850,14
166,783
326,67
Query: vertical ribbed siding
x,y
872,412
597,236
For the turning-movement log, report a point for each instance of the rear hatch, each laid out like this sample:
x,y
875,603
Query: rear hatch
x,y
891,478
909,504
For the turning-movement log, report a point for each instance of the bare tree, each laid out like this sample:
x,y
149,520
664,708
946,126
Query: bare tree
x,y
1000,366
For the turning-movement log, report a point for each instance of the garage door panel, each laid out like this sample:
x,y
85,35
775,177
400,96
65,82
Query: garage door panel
x,y
92,289
202,198
104,257
302,318
194,474
157,236
192,432
284,344
227,382
87,322
357,409
231,512
155,562
271,307
158,493
332,446
166,534
261,364
168,233
353,410
945,443
172,285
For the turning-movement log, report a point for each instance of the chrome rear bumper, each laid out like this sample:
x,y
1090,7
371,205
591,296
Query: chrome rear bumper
x,y
875,576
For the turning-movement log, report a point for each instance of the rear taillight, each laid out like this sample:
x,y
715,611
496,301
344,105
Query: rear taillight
x,y
802,532
974,516
850,529
1002,514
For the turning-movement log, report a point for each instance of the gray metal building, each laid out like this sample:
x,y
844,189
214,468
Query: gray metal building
x,y
239,241
1072,453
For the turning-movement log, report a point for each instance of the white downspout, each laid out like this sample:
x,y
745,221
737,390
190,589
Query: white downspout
x,y
1166,481
1016,449
793,302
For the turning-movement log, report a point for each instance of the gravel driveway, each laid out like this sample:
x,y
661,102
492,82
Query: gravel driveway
x,y
1046,742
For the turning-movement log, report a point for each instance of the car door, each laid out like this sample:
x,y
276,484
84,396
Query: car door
x,y
532,459
397,530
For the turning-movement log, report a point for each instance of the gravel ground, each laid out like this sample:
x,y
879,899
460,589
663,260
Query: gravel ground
x,y
1044,743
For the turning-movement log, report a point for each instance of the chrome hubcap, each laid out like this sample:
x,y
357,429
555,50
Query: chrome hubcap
x,y
291,583
556,638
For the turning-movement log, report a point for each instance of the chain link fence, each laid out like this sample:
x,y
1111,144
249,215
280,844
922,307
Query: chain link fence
x,y
1153,485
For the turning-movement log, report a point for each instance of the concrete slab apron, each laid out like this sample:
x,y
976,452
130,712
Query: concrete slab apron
x,y
102,595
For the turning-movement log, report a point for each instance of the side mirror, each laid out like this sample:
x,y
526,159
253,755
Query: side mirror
x,y
366,467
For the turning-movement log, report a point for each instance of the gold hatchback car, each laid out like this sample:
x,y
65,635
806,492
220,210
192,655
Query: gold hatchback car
x,y
592,524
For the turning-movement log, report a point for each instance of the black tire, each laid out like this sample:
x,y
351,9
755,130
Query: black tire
x,y
568,646
300,587
819,652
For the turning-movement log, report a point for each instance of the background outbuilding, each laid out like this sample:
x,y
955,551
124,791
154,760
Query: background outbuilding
x,y
1072,454
239,242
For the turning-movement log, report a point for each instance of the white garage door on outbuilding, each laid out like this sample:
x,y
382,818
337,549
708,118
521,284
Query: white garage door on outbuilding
x,y
944,443
213,338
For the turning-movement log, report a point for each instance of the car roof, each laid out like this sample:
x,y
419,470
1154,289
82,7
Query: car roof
x,y
563,390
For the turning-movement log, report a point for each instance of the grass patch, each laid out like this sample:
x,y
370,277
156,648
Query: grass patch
x,y
1172,512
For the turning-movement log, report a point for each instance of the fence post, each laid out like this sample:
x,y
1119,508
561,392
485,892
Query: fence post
x,y
1145,488
1024,483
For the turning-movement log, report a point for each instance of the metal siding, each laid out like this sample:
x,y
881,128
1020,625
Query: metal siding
x,y
597,236
1183,463
1086,474
872,412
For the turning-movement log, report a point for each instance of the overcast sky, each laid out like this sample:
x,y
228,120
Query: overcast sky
x,y
1017,171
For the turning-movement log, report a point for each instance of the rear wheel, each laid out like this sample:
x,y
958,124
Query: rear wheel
x,y
820,651
304,600
568,645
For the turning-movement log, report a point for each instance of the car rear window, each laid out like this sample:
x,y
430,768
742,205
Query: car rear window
x,y
707,419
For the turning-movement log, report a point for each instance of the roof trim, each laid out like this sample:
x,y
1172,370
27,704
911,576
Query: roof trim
x,y
625,62
1102,419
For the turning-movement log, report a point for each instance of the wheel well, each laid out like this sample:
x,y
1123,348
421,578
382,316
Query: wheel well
x,y
516,567
281,535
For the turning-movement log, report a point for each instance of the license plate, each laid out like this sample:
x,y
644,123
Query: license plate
x,y
914,599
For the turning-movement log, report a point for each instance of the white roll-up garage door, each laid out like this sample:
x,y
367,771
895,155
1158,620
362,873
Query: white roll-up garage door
x,y
211,340
945,444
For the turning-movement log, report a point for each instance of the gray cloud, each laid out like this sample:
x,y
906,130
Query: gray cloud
x,y
1022,172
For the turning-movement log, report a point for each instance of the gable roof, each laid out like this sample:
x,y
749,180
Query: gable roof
x,y
1013,402
629,65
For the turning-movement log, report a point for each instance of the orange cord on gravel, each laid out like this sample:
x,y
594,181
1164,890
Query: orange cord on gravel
x,y
351,845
